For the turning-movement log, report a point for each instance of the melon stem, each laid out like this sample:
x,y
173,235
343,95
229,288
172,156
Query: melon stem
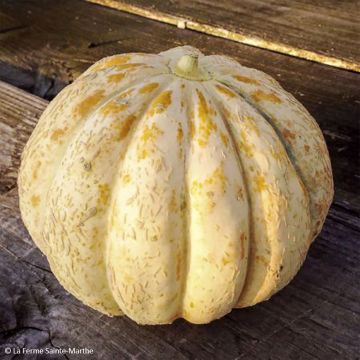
x,y
188,64
188,68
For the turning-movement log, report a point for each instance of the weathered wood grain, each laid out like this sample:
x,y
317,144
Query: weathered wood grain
x,y
322,31
19,112
316,317
62,39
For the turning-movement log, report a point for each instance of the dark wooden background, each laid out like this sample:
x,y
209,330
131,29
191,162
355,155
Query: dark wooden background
x,y
46,44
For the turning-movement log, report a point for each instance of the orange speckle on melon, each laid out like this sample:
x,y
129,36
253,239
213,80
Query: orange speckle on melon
x,y
260,183
113,107
160,104
124,127
261,259
148,88
111,61
251,124
180,134
126,178
246,79
142,154
214,184
35,170
260,95
207,124
147,139
115,78
226,91
57,134
173,205
151,133
218,176
35,200
192,129
245,146
224,139
84,107
225,260
125,94
288,135
104,192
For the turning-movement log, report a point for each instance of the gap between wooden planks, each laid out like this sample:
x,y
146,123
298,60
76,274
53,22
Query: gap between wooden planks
x,y
221,32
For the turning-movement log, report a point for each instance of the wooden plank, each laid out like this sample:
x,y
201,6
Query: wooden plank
x,y
13,132
63,38
316,317
322,31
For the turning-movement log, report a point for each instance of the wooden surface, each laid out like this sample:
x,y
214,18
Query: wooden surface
x,y
46,44
319,30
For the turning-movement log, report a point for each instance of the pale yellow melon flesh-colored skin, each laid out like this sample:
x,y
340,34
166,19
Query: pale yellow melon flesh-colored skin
x,y
161,197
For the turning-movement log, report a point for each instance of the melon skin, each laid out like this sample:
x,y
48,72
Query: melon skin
x,y
160,188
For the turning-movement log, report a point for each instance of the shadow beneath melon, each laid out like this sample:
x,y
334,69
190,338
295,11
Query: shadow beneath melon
x,y
31,81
